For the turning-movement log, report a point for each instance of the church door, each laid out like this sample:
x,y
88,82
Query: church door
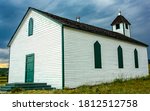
x,y
29,76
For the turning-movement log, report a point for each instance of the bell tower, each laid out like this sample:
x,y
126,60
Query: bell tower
x,y
121,25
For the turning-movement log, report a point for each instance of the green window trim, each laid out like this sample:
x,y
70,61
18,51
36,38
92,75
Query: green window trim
x,y
97,55
136,59
120,57
30,27
117,26
126,26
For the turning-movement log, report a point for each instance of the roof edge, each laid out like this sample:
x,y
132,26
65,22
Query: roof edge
x,y
106,32
135,41
29,8
123,20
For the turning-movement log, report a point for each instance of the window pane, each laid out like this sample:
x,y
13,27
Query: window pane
x,y
97,55
120,57
117,26
126,26
136,59
30,27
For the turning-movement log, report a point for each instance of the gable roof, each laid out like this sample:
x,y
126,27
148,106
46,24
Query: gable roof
x,y
84,27
120,19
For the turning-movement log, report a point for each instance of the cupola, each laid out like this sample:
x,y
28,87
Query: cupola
x,y
121,25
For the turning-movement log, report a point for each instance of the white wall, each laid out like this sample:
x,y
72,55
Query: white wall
x,y
45,43
79,59
121,30
127,31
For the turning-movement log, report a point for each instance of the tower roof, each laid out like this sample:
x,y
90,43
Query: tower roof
x,y
120,19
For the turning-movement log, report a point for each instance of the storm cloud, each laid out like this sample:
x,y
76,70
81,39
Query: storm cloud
x,y
95,12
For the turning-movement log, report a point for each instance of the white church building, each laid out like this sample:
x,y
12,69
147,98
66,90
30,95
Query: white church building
x,y
46,48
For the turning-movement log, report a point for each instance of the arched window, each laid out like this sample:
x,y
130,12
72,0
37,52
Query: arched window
x,y
136,58
97,55
30,27
120,57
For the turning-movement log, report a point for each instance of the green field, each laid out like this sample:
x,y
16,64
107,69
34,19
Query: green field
x,y
3,75
149,68
118,86
3,80
3,71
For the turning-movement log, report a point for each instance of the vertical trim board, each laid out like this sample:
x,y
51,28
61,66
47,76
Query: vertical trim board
x,y
63,75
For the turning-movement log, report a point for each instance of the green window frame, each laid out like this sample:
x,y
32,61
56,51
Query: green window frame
x,y
30,27
136,59
97,55
117,26
120,57
126,26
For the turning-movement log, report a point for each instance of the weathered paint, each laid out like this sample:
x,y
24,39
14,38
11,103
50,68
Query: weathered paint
x,y
79,59
45,43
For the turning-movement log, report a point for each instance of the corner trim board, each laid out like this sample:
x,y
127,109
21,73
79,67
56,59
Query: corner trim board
x,y
63,73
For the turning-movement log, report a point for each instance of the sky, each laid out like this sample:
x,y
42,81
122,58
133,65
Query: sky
x,y
94,12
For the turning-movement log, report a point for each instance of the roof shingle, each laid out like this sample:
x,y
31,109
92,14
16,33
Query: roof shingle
x,y
120,19
93,29
88,28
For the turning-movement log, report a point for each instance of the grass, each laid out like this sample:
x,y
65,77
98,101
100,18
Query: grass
x,y
118,86
3,80
3,75
149,68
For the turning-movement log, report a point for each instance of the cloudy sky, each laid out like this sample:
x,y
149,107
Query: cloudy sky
x,y
95,12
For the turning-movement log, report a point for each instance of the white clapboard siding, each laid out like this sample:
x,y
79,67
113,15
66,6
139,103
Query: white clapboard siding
x,y
122,29
79,59
45,43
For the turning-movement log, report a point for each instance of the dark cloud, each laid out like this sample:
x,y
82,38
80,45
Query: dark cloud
x,y
4,56
10,17
94,12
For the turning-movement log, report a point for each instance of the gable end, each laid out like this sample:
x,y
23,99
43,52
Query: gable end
x,y
29,9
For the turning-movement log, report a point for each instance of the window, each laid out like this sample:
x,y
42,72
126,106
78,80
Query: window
x,y
120,57
97,55
30,27
136,58
117,26
126,26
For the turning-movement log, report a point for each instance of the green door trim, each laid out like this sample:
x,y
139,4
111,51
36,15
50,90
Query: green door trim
x,y
26,68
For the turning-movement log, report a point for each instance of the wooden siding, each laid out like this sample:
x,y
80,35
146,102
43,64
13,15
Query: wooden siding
x,y
121,30
45,43
79,59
